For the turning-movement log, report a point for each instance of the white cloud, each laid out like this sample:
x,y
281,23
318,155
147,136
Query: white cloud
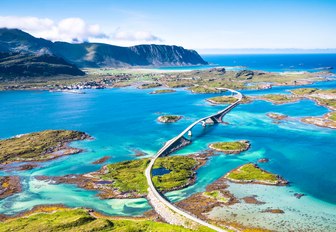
x,y
74,30
135,36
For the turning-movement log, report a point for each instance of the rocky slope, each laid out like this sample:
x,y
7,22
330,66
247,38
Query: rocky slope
x,y
97,54
14,66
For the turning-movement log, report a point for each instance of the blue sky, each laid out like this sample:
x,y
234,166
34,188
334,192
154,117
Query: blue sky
x,y
210,24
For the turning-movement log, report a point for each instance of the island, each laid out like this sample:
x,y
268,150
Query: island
x,y
9,185
127,180
149,85
222,100
231,147
323,97
169,118
328,120
39,146
161,91
277,116
278,98
60,218
251,173
204,89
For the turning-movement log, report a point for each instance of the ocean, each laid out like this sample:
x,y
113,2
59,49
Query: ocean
x,y
124,120
268,62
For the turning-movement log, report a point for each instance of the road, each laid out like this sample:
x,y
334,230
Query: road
x,y
152,188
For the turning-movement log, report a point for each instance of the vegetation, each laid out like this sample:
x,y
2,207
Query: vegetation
x,y
217,195
332,116
222,100
159,91
303,91
202,89
252,173
330,103
82,220
37,146
169,118
128,176
149,85
182,172
279,98
231,147
20,66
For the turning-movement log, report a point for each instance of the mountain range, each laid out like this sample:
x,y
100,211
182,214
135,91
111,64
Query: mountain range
x,y
95,55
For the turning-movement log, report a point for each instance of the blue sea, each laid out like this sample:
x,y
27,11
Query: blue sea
x,y
124,120
268,62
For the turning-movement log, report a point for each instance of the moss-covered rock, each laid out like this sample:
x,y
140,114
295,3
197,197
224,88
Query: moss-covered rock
x,y
169,118
39,146
251,173
231,147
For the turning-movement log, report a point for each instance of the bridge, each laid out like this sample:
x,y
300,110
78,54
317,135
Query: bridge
x,y
175,143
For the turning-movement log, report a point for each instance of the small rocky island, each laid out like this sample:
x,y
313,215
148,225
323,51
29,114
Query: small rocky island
x,y
231,147
161,91
328,120
277,116
222,100
251,173
39,146
169,118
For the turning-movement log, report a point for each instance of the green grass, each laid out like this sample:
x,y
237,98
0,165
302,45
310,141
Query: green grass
x,y
75,220
279,98
202,89
249,172
223,99
128,176
327,102
333,116
230,146
169,118
181,168
217,195
35,146
304,91
149,85
159,91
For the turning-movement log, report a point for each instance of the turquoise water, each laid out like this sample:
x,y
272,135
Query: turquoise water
x,y
124,120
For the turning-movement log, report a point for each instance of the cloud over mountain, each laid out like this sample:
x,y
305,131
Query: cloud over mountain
x,y
74,30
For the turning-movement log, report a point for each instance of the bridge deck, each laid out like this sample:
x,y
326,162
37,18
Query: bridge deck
x,y
152,190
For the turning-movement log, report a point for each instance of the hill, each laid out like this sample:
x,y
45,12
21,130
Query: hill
x,y
98,54
15,66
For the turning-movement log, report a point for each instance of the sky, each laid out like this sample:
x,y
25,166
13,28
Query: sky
x,y
208,25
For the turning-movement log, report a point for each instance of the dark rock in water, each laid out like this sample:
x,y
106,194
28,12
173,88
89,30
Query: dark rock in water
x,y
273,211
101,160
245,73
299,195
263,160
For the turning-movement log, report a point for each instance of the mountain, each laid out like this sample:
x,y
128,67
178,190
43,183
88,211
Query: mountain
x,y
15,66
98,54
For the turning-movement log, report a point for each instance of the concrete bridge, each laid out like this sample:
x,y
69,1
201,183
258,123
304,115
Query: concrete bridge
x,y
172,145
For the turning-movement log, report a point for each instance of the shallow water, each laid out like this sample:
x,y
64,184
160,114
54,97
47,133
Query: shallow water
x,y
124,120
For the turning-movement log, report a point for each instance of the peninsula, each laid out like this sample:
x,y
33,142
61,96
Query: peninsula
x,y
39,146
